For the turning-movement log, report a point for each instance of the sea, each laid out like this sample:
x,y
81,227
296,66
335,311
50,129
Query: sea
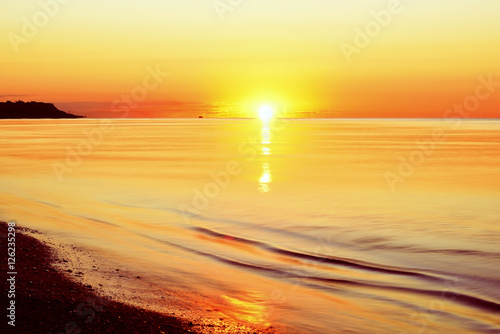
x,y
288,225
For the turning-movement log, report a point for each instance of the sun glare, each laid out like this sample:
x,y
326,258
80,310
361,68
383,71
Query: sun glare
x,y
266,113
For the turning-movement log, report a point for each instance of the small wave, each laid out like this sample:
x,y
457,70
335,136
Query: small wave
x,y
476,302
415,249
351,263
97,220
48,204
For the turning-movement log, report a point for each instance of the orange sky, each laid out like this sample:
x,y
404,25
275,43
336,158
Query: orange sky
x,y
318,58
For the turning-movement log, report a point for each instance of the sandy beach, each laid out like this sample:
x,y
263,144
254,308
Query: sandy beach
x,y
48,301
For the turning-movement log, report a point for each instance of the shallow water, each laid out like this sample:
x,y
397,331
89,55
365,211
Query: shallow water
x,y
316,226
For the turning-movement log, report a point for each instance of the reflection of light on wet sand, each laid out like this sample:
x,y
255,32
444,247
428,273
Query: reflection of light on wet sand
x,y
266,178
250,311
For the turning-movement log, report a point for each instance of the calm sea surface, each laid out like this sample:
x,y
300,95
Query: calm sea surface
x,y
311,226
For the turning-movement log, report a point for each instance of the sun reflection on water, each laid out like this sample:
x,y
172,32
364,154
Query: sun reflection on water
x,y
266,177
266,133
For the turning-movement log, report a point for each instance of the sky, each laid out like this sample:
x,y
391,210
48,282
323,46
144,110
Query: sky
x,y
225,58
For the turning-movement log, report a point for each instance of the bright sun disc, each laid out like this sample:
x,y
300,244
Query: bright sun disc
x,y
266,113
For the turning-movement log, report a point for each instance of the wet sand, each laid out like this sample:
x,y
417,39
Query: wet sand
x,y
47,301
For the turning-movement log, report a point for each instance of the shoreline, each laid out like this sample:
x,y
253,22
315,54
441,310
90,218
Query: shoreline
x,y
46,301
49,298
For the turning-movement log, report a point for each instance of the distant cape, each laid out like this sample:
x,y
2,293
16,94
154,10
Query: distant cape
x,y
20,109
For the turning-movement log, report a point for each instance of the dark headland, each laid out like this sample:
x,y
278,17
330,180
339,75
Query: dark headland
x,y
21,109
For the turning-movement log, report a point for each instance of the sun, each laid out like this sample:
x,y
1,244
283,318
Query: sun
x,y
266,113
